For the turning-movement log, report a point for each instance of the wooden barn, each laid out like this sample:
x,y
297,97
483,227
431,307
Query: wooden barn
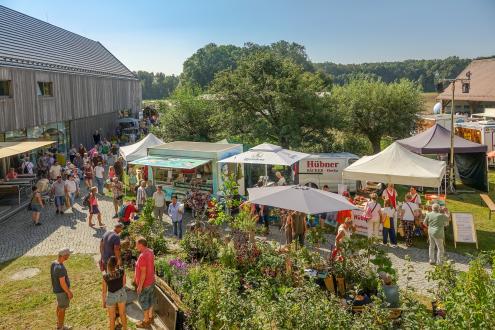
x,y
58,85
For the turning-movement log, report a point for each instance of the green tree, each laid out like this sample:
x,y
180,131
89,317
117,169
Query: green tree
x,y
157,86
376,109
202,66
188,116
269,98
211,59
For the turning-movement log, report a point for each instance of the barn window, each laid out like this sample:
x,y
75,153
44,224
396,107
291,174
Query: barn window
x,y
5,88
44,88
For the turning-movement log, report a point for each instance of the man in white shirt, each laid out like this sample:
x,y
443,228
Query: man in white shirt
x,y
408,211
159,203
141,195
55,170
99,175
175,212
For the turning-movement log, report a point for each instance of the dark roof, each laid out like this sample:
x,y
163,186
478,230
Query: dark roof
x,y
28,42
482,83
436,140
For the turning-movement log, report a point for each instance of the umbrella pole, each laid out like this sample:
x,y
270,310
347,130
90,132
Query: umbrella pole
x,y
266,170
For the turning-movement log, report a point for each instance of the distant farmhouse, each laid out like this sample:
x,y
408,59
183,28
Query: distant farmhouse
x,y
57,84
482,89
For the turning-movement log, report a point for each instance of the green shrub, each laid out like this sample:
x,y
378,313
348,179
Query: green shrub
x,y
200,245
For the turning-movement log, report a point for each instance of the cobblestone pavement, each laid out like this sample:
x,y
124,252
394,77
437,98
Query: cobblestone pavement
x,y
20,237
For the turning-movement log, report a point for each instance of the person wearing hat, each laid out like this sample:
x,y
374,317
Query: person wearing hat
x,y
59,190
110,245
61,285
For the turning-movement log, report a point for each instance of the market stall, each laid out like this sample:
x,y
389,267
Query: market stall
x,y
15,193
139,149
182,166
267,154
395,165
470,157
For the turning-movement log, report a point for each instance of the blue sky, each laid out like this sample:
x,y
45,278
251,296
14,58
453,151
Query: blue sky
x,y
156,35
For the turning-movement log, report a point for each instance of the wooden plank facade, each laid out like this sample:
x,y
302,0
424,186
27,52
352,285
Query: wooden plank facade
x,y
75,96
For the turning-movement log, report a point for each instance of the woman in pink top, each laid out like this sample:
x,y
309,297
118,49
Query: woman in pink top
x,y
93,207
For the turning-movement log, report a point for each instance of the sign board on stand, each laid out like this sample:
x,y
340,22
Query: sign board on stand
x,y
464,230
359,221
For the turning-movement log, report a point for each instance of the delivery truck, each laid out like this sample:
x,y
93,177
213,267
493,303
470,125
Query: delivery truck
x,y
322,169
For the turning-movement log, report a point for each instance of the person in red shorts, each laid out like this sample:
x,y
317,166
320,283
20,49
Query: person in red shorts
x,y
129,210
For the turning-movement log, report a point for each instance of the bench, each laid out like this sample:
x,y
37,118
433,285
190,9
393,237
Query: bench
x,y
489,203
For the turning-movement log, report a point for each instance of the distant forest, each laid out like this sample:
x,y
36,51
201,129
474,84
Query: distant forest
x,y
424,72
157,85
202,66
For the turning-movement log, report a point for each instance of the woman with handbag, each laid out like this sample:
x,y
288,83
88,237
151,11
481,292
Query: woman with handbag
x,y
408,211
373,214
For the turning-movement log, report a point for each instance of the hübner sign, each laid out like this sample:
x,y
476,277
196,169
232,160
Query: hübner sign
x,y
318,166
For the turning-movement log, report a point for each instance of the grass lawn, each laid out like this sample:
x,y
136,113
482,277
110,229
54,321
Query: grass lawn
x,y
30,303
470,203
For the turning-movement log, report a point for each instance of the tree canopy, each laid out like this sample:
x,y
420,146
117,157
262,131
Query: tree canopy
x,y
157,86
376,109
187,117
270,98
201,68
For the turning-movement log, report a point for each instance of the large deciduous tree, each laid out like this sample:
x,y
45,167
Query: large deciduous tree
x,y
270,98
201,67
376,109
188,116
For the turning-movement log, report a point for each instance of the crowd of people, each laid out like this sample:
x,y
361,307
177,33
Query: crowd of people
x,y
114,294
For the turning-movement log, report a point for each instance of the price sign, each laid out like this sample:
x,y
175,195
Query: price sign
x,y
359,221
464,230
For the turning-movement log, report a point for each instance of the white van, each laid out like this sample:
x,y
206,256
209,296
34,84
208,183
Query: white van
x,y
322,169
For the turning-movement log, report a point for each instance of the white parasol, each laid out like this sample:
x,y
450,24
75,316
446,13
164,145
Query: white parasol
x,y
300,198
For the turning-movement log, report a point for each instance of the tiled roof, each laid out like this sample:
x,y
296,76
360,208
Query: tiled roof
x,y
482,83
31,43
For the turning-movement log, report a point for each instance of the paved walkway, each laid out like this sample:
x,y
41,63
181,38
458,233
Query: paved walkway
x,y
19,236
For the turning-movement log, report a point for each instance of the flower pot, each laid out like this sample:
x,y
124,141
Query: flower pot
x,y
340,286
330,283
251,237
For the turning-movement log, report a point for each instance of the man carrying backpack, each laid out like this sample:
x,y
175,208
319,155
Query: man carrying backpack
x,y
27,166
127,212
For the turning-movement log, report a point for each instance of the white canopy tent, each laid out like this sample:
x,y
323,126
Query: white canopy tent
x,y
267,154
139,149
300,198
397,165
